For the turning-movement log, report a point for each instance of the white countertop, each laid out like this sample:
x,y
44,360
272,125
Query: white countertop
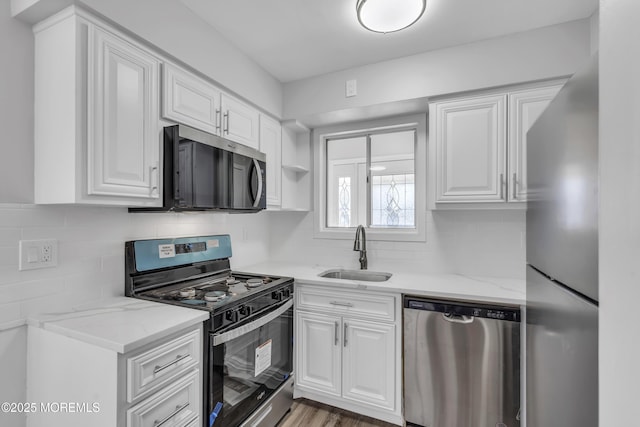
x,y
123,324
451,286
120,324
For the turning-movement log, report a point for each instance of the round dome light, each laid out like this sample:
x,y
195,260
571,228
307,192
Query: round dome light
x,y
387,16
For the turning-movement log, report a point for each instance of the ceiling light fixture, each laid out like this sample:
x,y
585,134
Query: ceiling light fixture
x,y
388,16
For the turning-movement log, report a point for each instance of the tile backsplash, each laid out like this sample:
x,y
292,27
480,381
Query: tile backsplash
x,y
91,256
479,242
91,251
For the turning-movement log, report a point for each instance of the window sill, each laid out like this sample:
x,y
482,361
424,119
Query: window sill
x,y
373,234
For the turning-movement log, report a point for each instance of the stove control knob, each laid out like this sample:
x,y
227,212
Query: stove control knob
x,y
245,310
277,295
231,315
287,293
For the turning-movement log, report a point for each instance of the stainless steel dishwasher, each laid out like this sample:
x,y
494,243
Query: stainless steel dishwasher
x,y
461,364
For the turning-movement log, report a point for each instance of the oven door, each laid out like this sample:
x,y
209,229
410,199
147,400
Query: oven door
x,y
248,363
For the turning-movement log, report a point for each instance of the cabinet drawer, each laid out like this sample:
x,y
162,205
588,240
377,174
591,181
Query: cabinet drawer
x,y
148,371
380,307
176,405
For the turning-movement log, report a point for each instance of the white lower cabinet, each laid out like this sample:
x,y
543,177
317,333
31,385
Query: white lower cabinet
x,y
157,384
176,405
319,353
368,355
348,350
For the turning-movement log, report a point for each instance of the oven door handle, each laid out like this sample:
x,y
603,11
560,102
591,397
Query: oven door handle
x,y
252,326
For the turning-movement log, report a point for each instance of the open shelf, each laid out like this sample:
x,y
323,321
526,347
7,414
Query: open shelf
x,y
295,168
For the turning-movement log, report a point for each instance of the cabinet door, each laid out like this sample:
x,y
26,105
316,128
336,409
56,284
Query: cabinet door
x,y
190,100
271,145
470,149
524,109
318,352
239,122
369,363
123,125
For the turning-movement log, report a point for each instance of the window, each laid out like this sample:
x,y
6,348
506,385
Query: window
x,y
375,177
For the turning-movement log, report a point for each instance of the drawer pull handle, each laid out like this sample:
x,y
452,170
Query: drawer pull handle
x,y
342,304
166,365
171,415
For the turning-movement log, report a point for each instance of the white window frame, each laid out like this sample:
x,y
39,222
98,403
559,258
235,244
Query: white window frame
x,y
320,137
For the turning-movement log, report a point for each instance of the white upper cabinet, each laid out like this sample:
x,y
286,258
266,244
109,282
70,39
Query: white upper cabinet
x,y
97,129
240,122
193,101
123,125
190,100
271,145
524,109
480,145
470,139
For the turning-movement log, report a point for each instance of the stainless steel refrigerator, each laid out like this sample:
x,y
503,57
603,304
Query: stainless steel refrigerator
x,y
562,258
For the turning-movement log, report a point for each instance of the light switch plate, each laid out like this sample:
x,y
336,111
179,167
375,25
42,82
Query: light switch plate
x,y
351,88
38,254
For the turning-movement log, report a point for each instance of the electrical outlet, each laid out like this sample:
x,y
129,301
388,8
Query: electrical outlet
x,y
38,254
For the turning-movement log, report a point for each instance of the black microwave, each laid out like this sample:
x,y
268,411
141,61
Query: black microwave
x,y
206,172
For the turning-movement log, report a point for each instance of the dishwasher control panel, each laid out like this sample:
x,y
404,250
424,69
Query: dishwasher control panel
x,y
462,308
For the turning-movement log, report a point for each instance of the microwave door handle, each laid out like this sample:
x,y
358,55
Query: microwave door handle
x,y
252,326
258,196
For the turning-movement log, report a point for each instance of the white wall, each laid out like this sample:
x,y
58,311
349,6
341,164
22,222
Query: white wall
x,y
619,268
482,243
545,53
16,109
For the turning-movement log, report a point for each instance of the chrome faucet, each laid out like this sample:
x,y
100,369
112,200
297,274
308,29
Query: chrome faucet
x,y
361,245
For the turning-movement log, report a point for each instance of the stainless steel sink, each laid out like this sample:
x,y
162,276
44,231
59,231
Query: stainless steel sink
x,y
363,275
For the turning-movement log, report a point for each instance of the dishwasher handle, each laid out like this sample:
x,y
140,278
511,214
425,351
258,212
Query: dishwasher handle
x,y
462,311
457,318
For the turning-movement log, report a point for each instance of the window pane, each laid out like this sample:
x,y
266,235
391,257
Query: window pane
x,y
393,180
345,188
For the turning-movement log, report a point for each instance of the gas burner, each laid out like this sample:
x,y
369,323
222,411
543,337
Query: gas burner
x,y
232,281
238,288
188,293
254,283
215,296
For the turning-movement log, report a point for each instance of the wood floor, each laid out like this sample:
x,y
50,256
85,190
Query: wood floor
x,y
313,414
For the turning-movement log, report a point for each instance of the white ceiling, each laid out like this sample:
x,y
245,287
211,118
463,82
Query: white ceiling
x,y
296,39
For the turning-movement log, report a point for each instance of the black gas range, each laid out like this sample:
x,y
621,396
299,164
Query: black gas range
x,y
248,339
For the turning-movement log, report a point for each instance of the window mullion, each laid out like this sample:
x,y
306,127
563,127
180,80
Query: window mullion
x,y
368,181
